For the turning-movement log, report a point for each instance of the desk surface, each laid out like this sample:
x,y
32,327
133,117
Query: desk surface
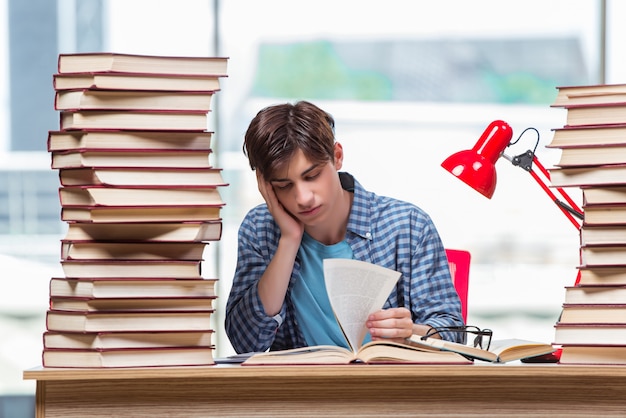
x,y
351,390
482,370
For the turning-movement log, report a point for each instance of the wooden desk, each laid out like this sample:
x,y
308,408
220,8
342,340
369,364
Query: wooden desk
x,y
355,390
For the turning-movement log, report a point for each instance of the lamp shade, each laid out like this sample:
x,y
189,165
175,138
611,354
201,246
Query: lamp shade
x,y
477,166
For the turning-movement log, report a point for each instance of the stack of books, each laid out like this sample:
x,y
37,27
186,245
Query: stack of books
x,y
592,326
141,201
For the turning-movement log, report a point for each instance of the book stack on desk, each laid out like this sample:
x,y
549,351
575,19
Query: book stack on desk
x,y
142,202
592,326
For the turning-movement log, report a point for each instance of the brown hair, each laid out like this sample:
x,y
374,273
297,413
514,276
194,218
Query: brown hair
x,y
278,131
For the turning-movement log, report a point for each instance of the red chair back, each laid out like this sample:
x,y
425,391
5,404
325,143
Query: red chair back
x,y
459,261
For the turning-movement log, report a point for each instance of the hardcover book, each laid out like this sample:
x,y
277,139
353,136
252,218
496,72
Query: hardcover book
x,y
141,177
135,81
130,304
126,339
132,100
128,321
134,119
145,231
130,140
134,196
142,64
178,159
163,250
183,269
142,214
123,287
129,357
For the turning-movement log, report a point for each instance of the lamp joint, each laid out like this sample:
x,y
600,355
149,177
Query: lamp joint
x,y
524,160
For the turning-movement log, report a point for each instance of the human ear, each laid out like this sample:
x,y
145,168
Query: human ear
x,y
338,153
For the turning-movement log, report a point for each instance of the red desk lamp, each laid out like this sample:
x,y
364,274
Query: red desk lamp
x,y
476,167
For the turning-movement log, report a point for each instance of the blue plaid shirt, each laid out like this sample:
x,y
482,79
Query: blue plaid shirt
x,y
381,230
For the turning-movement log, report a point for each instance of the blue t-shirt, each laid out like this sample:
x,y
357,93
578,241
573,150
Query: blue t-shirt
x,y
312,305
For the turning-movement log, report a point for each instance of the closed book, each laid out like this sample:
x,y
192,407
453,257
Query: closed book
x,y
129,159
589,354
595,294
143,64
134,196
131,287
83,304
140,339
601,276
609,255
599,195
590,333
605,175
141,176
145,231
589,94
602,235
135,81
128,321
128,357
596,114
604,215
593,156
597,135
130,140
591,313
134,119
100,250
184,269
132,100
118,214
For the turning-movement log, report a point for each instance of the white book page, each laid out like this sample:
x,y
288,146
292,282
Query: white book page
x,y
356,289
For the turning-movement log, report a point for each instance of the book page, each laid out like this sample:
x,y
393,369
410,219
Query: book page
x,y
356,289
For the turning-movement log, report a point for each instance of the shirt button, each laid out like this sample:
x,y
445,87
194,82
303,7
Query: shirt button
x,y
368,235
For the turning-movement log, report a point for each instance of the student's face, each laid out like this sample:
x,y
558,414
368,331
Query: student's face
x,y
308,190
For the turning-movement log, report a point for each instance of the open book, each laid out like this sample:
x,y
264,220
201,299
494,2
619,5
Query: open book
x,y
373,352
356,289
500,351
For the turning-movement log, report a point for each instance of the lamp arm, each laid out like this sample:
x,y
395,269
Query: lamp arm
x,y
528,161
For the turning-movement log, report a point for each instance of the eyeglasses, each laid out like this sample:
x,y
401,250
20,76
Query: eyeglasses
x,y
482,337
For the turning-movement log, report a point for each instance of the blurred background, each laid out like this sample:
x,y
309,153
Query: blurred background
x,y
409,82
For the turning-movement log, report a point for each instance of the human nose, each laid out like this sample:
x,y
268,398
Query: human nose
x,y
303,194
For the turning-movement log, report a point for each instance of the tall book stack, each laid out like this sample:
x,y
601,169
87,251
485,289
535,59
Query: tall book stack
x,y
142,202
592,326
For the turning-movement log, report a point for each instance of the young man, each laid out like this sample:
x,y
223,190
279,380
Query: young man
x,y
278,299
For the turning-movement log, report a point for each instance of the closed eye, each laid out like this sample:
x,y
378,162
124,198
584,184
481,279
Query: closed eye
x,y
312,177
281,186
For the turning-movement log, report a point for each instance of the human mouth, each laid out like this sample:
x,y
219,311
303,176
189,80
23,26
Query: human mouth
x,y
310,212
